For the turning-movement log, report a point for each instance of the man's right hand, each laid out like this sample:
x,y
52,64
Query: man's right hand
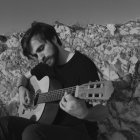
x,y
25,97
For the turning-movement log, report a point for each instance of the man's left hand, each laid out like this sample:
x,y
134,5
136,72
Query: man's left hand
x,y
73,106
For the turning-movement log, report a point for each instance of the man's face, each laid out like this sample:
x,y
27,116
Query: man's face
x,y
45,52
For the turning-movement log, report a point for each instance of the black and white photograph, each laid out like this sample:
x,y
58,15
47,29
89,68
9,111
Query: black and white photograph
x,y
70,70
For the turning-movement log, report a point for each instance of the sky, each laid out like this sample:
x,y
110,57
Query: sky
x,y
17,15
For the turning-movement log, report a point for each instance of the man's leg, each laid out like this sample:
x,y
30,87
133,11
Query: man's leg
x,y
53,132
11,127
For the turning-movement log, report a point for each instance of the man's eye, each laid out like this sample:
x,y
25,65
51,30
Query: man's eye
x,y
40,48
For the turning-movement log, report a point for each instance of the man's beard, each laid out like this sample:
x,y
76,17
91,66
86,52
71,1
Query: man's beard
x,y
53,59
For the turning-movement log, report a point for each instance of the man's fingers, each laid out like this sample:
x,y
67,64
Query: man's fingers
x,y
63,101
62,105
68,97
66,93
25,99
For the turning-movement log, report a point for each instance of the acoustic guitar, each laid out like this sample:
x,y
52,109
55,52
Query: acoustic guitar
x,y
46,99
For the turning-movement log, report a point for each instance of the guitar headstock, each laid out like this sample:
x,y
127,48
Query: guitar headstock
x,y
95,91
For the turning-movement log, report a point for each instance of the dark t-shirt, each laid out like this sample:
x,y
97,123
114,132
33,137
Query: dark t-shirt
x,y
79,70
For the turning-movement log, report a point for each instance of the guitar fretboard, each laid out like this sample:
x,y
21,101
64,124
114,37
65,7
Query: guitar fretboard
x,y
54,95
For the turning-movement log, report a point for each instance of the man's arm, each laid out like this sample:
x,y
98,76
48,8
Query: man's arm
x,y
79,109
23,80
24,94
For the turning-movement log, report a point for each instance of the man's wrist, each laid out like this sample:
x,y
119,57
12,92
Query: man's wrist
x,y
20,87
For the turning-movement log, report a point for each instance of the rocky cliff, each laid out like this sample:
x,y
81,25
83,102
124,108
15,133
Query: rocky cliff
x,y
115,50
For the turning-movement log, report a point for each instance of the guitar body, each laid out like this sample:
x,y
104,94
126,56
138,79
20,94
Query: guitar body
x,y
45,106
44,112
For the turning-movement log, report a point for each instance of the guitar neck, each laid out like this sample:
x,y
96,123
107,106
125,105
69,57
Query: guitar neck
x,y
54,95
99,91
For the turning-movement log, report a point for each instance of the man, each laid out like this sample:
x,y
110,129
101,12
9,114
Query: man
x,y
75,119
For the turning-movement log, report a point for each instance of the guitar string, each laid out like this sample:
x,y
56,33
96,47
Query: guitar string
x,y
55,94
48,98
61,90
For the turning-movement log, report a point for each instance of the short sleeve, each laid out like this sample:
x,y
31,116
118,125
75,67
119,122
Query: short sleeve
x,y
42,70
89,73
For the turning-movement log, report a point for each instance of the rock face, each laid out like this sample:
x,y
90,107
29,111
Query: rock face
x,y
115,51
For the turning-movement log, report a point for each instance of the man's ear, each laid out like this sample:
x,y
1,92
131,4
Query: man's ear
x,y
55,40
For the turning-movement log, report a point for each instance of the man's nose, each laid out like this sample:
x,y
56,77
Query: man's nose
x,y
40,57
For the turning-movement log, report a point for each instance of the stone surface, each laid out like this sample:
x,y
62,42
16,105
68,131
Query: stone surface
x,y
115,51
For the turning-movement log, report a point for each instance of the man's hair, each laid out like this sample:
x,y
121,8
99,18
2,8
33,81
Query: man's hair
x,y
43,30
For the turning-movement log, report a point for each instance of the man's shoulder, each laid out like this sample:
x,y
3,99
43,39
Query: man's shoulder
x,y
83,58
81,54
